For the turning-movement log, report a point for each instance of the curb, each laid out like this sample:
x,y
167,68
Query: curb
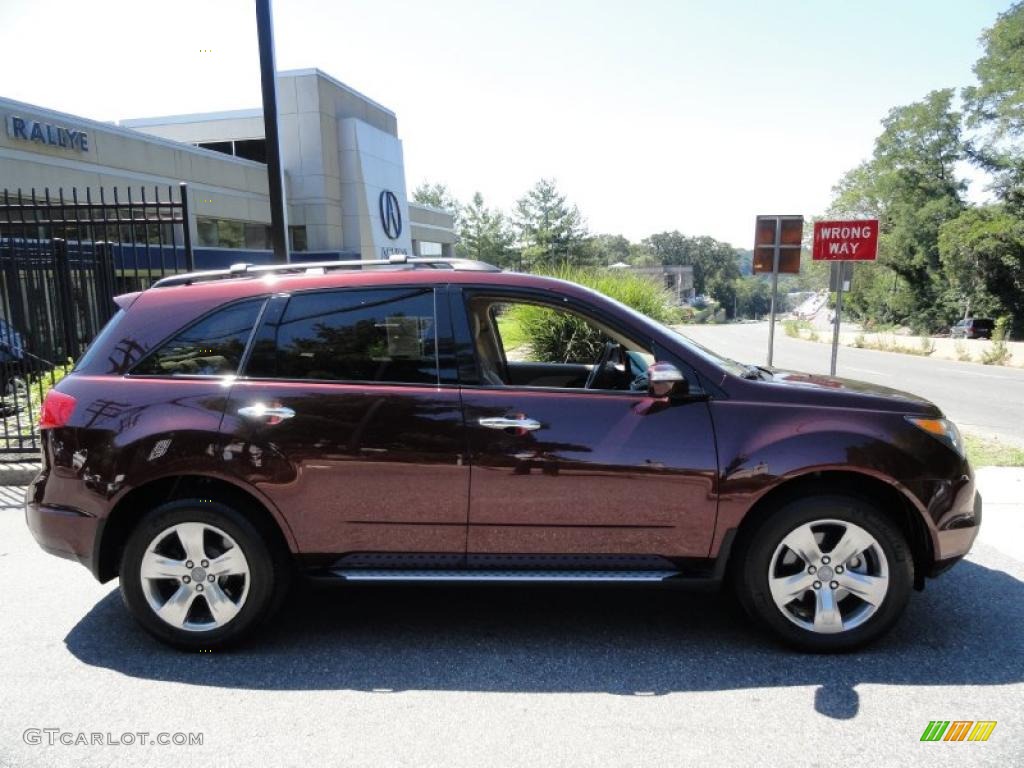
x,y
18,474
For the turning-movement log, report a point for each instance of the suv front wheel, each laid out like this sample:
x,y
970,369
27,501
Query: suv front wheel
x,y
197,575
826,573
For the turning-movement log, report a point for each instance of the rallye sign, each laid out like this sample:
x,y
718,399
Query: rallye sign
x,y
855,240
47,133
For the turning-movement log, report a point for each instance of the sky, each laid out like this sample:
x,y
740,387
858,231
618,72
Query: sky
x,y
651,115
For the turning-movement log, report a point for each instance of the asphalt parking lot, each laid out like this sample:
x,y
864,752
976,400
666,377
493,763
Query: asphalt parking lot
x,y
386,675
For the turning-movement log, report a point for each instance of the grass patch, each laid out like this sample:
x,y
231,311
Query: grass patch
x,y
924,348
989,452
793,326
511,329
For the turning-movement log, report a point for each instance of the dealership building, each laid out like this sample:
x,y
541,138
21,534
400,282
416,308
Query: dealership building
x,y
342,158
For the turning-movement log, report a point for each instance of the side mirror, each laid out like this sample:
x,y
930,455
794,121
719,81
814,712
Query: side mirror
x,y
664,380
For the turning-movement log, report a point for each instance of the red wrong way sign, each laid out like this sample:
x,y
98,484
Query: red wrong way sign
x,y
846,240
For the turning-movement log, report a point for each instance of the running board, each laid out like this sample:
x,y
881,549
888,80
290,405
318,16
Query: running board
x,y
560,577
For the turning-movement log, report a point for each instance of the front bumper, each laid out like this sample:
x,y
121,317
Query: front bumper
x,y
956,540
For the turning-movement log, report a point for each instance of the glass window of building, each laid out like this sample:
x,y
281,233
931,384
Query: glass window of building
x,y
252,149
297,237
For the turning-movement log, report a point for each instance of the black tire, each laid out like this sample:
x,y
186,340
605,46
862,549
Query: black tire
x,y
267,579
758,548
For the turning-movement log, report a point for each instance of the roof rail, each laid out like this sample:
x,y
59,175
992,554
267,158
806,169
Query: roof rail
x,y
259,270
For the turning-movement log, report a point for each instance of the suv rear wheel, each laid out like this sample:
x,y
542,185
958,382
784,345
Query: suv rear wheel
x,y
826,573
197,575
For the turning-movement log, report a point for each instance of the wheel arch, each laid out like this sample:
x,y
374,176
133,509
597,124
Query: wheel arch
x,y
130,509
888,498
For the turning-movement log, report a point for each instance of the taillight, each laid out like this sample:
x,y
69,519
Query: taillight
x,y
57,410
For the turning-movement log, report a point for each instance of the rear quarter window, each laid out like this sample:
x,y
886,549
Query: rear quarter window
x,y
359,335
212,346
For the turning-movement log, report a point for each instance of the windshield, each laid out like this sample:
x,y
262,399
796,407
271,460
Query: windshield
x,y
725,363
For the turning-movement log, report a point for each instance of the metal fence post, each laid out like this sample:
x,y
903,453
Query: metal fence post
x,y
12,288
186,229
103,274
65,296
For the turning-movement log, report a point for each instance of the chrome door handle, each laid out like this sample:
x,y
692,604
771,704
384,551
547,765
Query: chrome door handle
x,y
499,422
260,411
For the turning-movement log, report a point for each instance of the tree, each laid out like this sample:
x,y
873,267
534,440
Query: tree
x,y
995,106
911,185
982,254
484,234
753,296
605,250
550,230
715,264
437,196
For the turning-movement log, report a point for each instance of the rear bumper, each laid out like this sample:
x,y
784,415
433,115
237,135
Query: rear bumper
x,y
63,532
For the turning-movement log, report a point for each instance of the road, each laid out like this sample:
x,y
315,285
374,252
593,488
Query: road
x,y
391,676
981,399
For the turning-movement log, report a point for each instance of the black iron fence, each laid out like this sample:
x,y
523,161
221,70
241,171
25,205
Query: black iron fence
x,y
63,258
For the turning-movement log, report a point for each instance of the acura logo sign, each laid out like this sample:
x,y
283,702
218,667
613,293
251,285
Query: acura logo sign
x,y
390,214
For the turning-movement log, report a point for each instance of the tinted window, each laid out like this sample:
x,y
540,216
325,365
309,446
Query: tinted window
x,y
379,335
211,347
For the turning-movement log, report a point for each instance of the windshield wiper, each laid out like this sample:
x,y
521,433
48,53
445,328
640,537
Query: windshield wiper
x,y
759,372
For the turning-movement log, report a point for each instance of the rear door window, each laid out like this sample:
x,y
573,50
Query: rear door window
x,y
385,335
213,346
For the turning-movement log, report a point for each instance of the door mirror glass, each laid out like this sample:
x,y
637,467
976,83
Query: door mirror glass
x,y
664,380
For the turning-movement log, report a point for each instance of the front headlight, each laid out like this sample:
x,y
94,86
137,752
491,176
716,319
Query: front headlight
x,y
941,429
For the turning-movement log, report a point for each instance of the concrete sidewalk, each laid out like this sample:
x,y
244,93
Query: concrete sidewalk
x,y
1002,520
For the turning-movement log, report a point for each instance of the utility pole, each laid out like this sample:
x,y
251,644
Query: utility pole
x,y
275,174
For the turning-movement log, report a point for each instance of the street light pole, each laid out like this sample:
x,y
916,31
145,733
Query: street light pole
x,y
275,174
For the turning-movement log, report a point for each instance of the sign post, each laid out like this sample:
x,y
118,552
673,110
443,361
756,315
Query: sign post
x,y
275,174
777,244
842,242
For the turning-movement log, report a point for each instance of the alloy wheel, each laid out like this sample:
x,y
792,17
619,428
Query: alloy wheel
x,y
828,576
195,576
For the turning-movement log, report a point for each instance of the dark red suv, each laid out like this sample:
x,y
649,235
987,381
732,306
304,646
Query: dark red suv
x,y
396,421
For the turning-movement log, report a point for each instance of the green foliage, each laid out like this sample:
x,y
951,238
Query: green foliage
x,y
982,254
983,452
564,337
437,196
511,330
753,296
938,257
911,185
998,353
551,231
793,326
605,250
995,106
925,346
715,264
484,234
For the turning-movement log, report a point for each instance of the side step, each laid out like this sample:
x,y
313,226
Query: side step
x,y
490,575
